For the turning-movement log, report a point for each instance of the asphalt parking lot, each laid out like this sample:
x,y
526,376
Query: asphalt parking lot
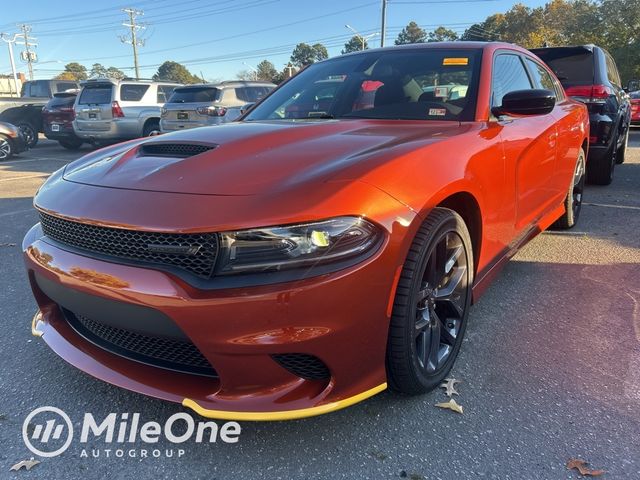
x,y
550,370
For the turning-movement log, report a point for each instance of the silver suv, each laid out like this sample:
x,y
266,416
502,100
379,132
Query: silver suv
x,y
112,110
210,104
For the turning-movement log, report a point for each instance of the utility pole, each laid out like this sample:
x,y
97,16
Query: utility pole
x,y
133,40
29,56
383,27
13,63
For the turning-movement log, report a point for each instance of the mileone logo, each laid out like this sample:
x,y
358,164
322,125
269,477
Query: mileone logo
x,y
48,432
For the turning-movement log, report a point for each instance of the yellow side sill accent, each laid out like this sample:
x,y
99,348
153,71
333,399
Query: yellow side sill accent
x,y
34,324
283,415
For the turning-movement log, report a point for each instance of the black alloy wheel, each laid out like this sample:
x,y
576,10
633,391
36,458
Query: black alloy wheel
x,y
6,150
431,305
29,133
573,200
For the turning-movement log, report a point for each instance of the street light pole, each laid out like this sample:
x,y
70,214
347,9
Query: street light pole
x,y
383,27
255,71
363,40
13,63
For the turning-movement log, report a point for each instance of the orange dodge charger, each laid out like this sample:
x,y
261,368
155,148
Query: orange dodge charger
x,y
323,248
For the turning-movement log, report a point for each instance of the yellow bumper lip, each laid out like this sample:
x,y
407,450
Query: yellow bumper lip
x,y
285,414
37,318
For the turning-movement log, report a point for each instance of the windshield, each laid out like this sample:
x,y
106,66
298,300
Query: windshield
x,y
411,84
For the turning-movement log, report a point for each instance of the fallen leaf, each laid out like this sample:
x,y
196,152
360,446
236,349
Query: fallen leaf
x,y
580,465
451,405
450,386
27,464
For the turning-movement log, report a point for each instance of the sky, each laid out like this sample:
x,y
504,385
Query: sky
x,y
216,38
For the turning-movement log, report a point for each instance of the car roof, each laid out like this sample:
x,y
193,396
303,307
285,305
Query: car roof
x,y
457,45
126,80
229,83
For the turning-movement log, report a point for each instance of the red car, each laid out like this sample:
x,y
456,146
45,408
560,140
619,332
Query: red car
x,y
635,107
279,268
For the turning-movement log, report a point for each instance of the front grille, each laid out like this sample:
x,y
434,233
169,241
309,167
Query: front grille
x,y
303,365
175,150
195,253
169,353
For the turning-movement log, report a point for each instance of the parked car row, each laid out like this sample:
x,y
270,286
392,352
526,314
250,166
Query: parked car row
x,y
103,110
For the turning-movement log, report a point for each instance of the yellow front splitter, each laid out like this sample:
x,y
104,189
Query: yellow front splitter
x,y
283,415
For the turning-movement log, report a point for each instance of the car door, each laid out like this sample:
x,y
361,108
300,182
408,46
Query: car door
x,y
530,143
567,126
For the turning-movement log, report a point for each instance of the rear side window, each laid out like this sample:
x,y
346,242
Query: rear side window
x,y
164,92
509,75
195,95
132,93
571,67
251,94
96,94
612,71
38,88
64,86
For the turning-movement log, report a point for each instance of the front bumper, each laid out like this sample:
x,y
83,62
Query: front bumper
x,y
340,318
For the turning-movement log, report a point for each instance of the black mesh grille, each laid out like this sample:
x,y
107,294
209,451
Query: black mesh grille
x,y
161,352
195,252
175,150
303,365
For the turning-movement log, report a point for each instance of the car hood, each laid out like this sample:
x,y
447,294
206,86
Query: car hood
x,y
249,158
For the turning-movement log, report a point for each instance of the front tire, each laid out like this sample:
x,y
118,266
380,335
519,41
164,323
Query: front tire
x,y
431,305
30,134
6,148
573,200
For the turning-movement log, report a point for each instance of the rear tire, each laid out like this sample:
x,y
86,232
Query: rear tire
x,y
573,200
6,148
431,305
600,171
30,134
151,128
71,144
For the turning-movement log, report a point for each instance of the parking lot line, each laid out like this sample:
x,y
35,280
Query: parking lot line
x,y
8,214
605,205
34,160
42,175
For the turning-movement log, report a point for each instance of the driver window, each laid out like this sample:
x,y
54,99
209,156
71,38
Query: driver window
x,y
509,75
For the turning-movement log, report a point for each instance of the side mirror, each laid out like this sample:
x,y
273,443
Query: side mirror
x,y
246,107
526,102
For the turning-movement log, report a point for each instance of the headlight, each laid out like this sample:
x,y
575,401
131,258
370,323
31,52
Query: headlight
x,y
279,248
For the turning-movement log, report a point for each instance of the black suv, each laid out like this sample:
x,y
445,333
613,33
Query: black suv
x,y
589,74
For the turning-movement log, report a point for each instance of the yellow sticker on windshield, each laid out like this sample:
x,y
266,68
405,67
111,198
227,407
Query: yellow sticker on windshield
x,y
455,61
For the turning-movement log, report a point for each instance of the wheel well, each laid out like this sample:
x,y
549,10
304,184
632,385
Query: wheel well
x,y
465,205
149,121
585,146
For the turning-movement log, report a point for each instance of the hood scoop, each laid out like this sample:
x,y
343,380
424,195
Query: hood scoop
x,y
173,150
